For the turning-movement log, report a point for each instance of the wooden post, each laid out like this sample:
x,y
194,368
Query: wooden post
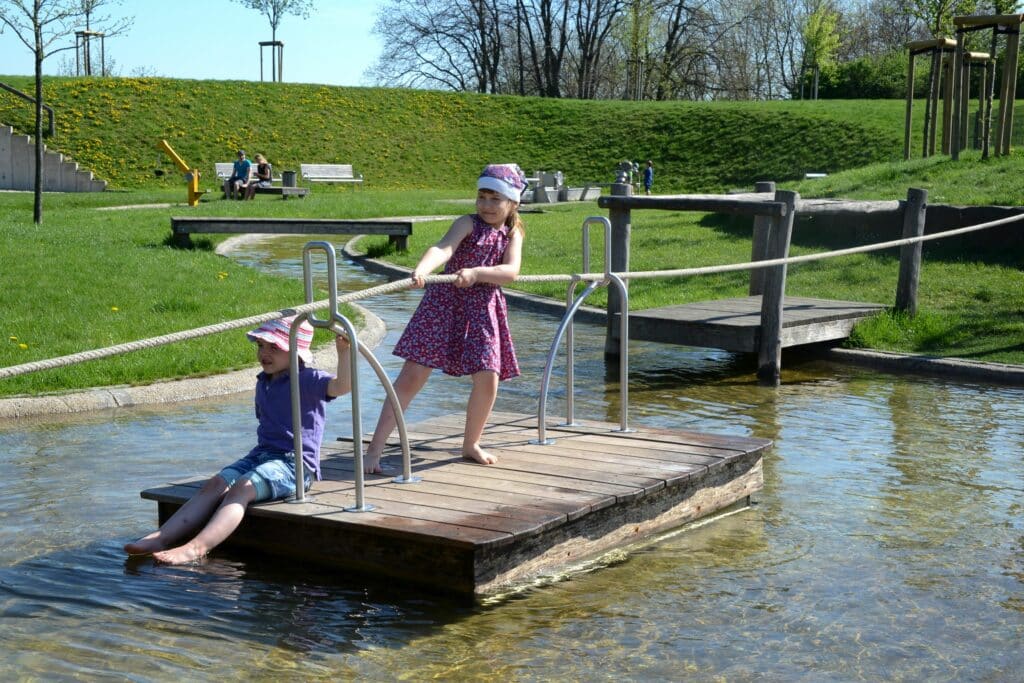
x,y
621,227
949,91
931,105
1010,76
769,354
910,254
952,146
989,95
759,241
910,107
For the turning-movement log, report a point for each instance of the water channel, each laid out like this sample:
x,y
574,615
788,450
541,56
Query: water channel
x,y
887,544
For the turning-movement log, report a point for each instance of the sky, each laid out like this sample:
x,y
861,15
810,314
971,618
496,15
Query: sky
x,y
219,39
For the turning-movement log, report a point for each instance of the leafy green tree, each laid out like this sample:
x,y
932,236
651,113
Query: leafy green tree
x,y
821,42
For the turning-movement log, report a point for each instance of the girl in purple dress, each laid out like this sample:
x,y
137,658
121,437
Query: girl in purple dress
x,y
461,328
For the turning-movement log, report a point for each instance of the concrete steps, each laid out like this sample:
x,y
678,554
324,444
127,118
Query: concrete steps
x,y
18,167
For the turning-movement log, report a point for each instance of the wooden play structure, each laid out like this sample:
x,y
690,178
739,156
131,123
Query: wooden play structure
x,y
191,174
941,52
1000,24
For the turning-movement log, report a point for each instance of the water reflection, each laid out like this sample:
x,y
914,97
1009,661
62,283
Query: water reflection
x,y
890,528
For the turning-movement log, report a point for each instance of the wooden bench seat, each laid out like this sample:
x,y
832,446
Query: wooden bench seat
x,y
330,173
182,227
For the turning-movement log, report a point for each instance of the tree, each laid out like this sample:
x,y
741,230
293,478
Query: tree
x,y
274,11
452,44
594,20
821,42
40,25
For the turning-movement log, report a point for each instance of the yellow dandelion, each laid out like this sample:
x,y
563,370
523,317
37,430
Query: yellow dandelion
x,y
13,338
23,346
115,309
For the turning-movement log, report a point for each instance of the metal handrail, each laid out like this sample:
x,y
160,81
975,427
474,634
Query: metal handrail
x,y
338,323
565,328
49,110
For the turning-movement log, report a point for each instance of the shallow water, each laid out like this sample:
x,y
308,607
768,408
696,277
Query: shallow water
x,y
887,544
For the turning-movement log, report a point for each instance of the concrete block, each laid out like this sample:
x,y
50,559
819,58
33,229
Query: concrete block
x,y
6,173
23,166
52,172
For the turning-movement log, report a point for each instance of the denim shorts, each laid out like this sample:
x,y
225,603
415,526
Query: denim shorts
x,y
272,473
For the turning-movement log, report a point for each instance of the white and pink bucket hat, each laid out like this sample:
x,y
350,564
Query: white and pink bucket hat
x,y
276,332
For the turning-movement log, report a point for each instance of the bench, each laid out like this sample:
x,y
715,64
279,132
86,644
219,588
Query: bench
x,y
330,173
397,231
224,171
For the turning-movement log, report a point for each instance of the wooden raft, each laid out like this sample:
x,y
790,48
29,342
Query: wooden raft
x,y
735,324
476,529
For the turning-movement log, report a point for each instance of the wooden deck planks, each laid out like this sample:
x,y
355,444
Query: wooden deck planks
x,y
735,324
472,528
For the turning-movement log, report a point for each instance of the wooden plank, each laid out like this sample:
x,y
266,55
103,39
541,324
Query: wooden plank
x,y
641,474
289,226
734,324
728,204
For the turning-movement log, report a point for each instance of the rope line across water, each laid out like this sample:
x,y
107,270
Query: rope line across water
x,y
399,285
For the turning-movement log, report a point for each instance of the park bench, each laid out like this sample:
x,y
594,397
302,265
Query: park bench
x,y
182,227
330,173
224,170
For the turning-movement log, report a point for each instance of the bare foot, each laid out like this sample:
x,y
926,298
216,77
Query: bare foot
x,y
477,454
145,545
371,464
183,554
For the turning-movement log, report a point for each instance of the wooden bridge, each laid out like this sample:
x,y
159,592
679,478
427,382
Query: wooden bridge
x,y
767,320
481,529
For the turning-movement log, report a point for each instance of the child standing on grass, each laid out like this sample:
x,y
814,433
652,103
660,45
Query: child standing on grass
x,y
461,328
268,471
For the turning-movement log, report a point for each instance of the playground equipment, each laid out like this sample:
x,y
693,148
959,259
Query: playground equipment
x,y
191,174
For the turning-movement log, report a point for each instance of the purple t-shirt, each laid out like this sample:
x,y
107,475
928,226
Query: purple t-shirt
x,y
274,412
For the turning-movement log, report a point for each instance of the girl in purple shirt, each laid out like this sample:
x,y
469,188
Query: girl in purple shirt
x,y
267,472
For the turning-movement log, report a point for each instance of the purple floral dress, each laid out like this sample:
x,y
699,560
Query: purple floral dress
x,y
463,331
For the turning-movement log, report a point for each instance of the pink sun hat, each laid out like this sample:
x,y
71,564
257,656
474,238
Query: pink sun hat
x,y
276,332
508,180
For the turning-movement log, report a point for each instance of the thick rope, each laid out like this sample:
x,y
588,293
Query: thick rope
x,y
399,285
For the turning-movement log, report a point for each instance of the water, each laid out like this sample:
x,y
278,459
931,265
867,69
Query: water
x,y
887,544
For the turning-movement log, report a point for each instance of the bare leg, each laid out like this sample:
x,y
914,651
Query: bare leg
x,y
185,520
223,523
481,400
409,382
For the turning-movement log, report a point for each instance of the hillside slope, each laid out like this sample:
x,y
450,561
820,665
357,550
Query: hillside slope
x,y
422,139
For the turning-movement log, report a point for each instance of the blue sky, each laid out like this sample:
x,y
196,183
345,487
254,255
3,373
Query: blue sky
x,y
219,39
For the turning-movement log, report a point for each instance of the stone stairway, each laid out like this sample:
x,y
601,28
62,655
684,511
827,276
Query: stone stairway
x,y
18,163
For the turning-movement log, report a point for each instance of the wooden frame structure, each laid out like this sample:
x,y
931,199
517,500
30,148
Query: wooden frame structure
x,y
276,60
940,50
1006,24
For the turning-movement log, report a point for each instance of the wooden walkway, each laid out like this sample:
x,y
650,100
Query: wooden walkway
x,y
475,529
735,324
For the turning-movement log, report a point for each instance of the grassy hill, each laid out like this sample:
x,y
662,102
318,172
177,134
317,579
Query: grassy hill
x,y
423,139
120,281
